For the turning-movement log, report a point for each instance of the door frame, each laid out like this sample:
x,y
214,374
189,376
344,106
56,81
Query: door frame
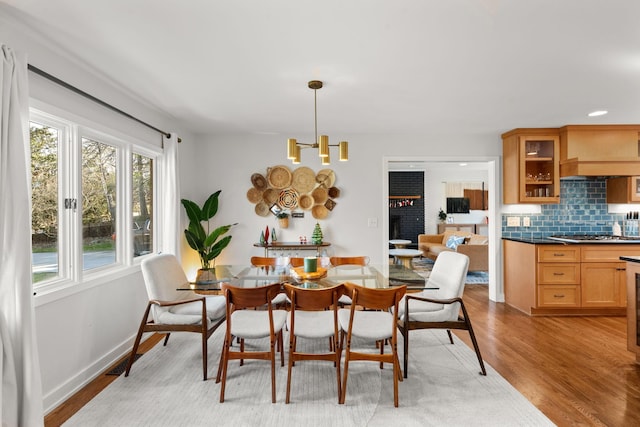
x,y
496,287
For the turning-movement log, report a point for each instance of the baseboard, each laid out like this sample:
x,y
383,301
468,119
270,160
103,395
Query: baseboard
x,y
60,394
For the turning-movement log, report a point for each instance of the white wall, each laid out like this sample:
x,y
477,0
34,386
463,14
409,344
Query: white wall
x,y
227,162
435,194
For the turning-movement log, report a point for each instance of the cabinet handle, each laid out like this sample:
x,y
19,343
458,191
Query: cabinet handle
x,y
621,269
558,274
558,295
558,254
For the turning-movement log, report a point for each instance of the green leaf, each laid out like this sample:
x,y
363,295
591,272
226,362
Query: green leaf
x,y
193,210
210,207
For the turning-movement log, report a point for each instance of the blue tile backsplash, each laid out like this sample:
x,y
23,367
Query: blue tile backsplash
x,y
582,210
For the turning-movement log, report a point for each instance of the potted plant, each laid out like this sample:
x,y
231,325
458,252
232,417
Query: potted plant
x,y
283,219
205,242
442,215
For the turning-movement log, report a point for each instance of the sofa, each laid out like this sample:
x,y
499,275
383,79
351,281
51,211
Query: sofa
x,y
475,246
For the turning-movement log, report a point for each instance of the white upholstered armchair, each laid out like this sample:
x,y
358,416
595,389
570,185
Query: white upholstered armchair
x,y
176,311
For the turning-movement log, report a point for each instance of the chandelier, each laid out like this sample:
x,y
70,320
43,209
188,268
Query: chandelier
x,y
321,142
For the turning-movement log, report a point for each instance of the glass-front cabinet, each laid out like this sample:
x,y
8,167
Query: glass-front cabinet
x,y
531,168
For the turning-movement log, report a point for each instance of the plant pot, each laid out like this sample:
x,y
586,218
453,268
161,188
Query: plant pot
x,y
284,222
206,276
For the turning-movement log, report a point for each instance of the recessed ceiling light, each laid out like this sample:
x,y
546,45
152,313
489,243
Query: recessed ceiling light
x,y
462,164
597,113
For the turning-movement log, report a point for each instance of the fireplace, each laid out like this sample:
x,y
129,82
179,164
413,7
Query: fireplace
x,y
394,227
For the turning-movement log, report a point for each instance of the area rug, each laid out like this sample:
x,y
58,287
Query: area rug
x,y
423,267
444,388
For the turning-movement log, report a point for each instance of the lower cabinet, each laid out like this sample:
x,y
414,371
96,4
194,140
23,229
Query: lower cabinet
x,y
604,284
566,279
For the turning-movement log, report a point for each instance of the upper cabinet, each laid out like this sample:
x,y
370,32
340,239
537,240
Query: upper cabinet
x,y
599,150
625,189
531,167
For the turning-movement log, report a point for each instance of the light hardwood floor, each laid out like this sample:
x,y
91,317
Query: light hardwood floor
x,y
576,370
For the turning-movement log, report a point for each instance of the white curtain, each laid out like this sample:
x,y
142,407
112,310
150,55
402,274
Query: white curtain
x,y
171,198
21,392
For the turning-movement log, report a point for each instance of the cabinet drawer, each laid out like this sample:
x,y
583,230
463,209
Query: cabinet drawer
x,y
558,296
608,253
558,253
558,273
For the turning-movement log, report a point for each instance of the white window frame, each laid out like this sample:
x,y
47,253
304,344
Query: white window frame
x,y
72,128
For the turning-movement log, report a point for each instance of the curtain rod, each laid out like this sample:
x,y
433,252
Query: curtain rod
x,y
80,92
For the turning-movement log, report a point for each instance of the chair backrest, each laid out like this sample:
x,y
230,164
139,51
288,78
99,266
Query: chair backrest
x,y
239,298
313,299
162,275
375,298
449,274
260,261
296,261
349,260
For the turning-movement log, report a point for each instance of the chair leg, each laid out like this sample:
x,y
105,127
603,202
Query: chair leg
x,y
204,354
382,352
336,364
345,374
273,370
405,335
396,373
166,338
290,365
483,371
224,360
281,347
467,322
136,343
450,337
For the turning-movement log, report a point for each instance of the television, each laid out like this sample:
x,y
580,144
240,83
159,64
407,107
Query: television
x,y
457,205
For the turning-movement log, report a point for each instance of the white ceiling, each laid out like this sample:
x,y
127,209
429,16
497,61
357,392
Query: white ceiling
x,y
389,66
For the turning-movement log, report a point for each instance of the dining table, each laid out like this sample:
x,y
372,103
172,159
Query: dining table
x,y
370,276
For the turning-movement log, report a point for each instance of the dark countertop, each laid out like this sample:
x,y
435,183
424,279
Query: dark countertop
x,y
631,258
537,241
544,241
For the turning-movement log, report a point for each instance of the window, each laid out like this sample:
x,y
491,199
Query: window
x,y
142,204
44,201
98,204
93,200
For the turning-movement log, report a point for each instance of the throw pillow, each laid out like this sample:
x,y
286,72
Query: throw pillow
x,y
454,241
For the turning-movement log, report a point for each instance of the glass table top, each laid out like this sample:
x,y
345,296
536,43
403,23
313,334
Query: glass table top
x,y
368,276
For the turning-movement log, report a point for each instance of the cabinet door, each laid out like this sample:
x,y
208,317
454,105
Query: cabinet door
x,y
603,284
539,169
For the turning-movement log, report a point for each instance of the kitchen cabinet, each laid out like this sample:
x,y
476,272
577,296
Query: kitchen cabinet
x,y
599,150
577,279
624,189
531,168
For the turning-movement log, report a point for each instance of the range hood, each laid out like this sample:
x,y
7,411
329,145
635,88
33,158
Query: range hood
x,y
599,150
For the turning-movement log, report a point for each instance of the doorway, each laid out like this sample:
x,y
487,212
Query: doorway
x,y
433,200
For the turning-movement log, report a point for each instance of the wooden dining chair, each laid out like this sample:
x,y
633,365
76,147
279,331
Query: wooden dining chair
x,y
348,260
376,323
280,300
314,315
250,316
440,307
